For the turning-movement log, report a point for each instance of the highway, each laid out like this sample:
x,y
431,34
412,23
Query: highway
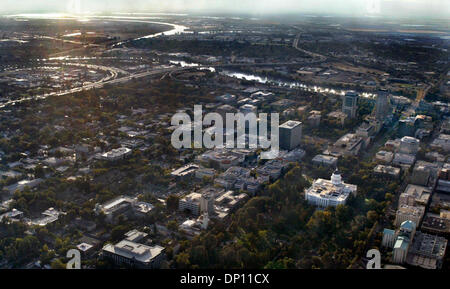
x,y
99,84
310,53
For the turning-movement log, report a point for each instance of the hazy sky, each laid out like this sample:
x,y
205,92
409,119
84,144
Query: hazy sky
x,y
401,8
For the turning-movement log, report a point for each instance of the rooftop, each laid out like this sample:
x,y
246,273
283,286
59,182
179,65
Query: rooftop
x,y
381,169
185,170
401,243
290,124
429,245
130,250
326,189
411,210
388,232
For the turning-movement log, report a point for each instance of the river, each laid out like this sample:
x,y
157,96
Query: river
x,y
289,84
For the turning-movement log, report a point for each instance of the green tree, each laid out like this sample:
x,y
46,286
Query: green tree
x,y
172,202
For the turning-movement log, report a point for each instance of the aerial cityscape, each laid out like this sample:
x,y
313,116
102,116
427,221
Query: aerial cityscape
x,y
216,137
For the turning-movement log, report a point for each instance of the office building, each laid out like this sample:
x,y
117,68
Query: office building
x,y
348,145
382,105
400,251
350,104
388,171
402,243
384,156
290,134
198,203
135,255
409,145
388,238
409,213
415,196
114,208
427,251
325,160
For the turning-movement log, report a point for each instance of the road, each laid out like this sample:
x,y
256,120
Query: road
x,y
99,84
310,53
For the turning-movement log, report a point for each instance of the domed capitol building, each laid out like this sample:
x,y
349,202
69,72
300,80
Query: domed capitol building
x,y
333,192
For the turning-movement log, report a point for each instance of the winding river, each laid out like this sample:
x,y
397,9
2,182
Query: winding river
x,y
289,84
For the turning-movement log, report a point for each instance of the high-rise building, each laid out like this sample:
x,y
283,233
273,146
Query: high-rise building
x,y
350,104
388,238
400,251
405,235
290,134
382,106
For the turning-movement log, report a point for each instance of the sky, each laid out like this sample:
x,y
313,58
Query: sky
x,y
389,8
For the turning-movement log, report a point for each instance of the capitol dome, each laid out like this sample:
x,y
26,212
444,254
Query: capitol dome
x,y
336,178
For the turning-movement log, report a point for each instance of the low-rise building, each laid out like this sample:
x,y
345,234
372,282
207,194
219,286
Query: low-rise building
x,y
199,202
425,173
85,249
409,213
348,145
366,131
427,251
229,178
115,207
441,142
193,227
443,182
13,215
338,115
142,209
404,160
392,144
409,145
415,195
205,172
115,154
384,156
134,255
248,108
226,98
185,171
389,171
325,160
48,216
294,155
272,168
314,118
227,203
333,192
437,224
223,158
